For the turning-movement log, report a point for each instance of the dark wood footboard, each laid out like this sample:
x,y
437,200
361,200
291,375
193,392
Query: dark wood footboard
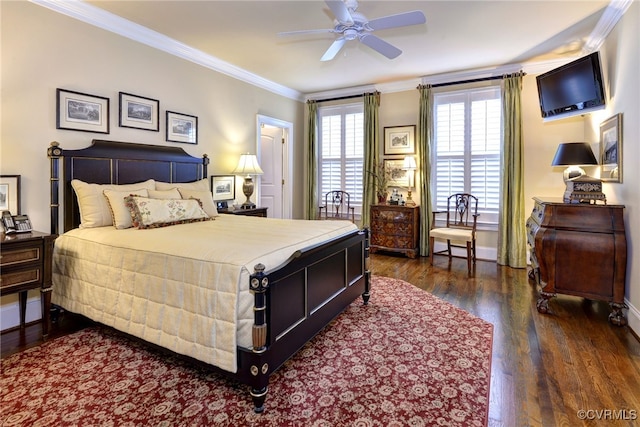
x,y
295,302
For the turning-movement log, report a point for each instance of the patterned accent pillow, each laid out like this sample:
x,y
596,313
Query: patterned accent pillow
x,y
155,213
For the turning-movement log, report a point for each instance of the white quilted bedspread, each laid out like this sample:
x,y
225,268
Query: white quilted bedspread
x,y
184,287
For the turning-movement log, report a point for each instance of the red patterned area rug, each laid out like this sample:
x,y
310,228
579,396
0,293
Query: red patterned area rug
x,y
407,358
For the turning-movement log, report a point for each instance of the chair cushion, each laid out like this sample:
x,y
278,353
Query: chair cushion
x,y
454,234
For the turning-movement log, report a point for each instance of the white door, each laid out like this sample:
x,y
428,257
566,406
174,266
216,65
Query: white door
x,y
274,145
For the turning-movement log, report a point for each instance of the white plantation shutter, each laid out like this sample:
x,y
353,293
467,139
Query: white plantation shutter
x,y
341,151
468,137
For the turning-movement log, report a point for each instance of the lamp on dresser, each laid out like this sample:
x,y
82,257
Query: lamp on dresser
x,y
410,166
248,165
579,186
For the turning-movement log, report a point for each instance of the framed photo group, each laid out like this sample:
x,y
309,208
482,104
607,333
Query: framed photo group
x,y
399,141
90,113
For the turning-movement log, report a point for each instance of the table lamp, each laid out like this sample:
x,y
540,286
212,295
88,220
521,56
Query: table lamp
x,y
248,166
410,166
579,186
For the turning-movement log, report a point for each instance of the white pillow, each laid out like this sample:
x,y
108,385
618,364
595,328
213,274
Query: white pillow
x,y
203,184
205,197
165,194
154,213
94,209
119,211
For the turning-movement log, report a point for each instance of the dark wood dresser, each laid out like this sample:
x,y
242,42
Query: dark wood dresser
x,y
395,228
261,212
26,264
579,249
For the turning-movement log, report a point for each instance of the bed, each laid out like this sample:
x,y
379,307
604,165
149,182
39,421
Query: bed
x,y
240,294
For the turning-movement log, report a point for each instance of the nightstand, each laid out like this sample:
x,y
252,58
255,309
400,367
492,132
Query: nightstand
x,y
395,228
262,212
26,264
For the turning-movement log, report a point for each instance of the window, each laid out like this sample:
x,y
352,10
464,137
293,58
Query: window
x,y
341,151
468,140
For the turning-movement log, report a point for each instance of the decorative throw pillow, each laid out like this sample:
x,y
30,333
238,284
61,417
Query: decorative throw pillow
x,y
203,184
205,197
119,211
165,194
94,208
154,213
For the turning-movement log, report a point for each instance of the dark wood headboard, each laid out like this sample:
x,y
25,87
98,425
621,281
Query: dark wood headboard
x,y
112,162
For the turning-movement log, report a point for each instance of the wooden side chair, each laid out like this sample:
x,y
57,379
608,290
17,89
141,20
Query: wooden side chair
x,y
337,205
460,229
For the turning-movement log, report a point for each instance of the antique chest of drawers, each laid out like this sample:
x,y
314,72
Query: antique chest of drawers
x,y
395,228
579,249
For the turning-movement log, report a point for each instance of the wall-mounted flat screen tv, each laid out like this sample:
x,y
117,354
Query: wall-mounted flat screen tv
x,y
575,88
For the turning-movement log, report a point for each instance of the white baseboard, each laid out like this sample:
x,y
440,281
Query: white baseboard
x,y
633,317
10,313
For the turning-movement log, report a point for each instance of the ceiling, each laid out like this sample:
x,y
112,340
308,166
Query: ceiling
x,y
458,37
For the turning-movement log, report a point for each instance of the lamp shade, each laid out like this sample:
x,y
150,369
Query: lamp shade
x,y
409,163
574,154
248,165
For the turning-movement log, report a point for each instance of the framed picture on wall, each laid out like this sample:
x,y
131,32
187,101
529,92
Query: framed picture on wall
x,y
399,176
223,187
81,111
139,112
611,149
399,140
182,128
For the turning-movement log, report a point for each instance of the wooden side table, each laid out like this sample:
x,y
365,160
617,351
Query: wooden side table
x,y
261,212
26,264
395,228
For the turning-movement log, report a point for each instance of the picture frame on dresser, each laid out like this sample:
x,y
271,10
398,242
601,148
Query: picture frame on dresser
x,y
223,187
139,112
81,111
611,149
182,128
10,193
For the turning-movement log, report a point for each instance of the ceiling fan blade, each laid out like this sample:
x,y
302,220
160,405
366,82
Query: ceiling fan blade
x,y
340,11
380,46
400,20
333,49
292,33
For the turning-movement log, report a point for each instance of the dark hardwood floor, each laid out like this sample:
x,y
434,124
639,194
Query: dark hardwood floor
x,y
545,368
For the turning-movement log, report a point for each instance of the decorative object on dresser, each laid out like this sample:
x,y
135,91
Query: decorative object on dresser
x,y
381,178
261,212
395,229
139,112
337,205
410,166
182,128
579,186
611,149
248,165
580,250
460,227
81,111
25,265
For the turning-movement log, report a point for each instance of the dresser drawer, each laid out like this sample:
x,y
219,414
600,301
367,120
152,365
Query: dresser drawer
x,y
21,278
393,216
15,257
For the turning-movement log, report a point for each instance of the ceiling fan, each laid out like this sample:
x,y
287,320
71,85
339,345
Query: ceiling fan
x,y
353,25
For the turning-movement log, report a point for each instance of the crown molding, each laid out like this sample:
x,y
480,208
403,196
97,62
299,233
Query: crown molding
x,y
102,19
108,21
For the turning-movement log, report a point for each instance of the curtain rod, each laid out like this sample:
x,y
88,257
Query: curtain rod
x,y
339,98
482,79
